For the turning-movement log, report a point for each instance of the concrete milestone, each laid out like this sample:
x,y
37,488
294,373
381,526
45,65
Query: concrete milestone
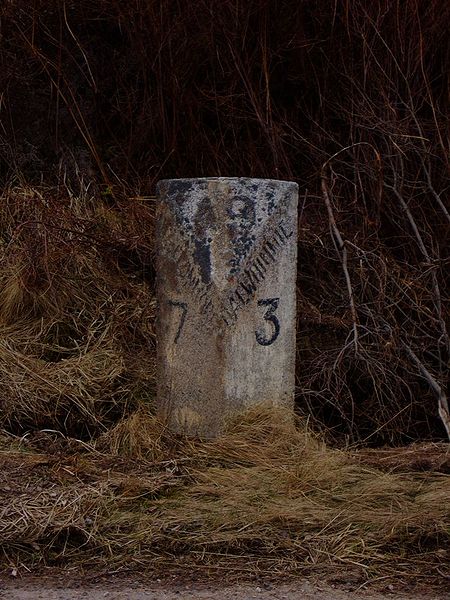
x,y
226,267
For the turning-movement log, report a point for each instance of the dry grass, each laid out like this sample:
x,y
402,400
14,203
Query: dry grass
x,y
86,387
77,347
266,497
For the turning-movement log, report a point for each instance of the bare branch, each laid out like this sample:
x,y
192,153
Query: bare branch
x,y
344,256
443,408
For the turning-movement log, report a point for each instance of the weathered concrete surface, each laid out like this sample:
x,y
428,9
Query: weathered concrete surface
x,y
227,250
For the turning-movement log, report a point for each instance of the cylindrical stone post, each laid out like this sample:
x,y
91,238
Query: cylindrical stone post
x,y
226,279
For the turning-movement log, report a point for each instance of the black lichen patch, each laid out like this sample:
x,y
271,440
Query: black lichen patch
x,y
205,218
202,255
242,215
271,204
180,187
176,194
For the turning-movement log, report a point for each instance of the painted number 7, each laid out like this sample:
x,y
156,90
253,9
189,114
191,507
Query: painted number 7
x,y
183,307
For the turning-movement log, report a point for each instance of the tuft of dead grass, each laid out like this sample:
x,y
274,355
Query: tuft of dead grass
x,y
140,436
266,496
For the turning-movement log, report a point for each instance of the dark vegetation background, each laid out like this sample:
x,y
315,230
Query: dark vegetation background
x,y
99,100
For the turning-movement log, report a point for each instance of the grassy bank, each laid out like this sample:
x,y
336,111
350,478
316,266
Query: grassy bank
x,y
267,498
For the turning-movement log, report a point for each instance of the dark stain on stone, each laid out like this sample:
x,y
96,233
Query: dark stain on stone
x,y
177,202
205,218
176,194
270,201
242,215
203,227
202,256
180,187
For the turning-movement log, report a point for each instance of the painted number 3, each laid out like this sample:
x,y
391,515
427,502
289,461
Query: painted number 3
x,y
269,315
